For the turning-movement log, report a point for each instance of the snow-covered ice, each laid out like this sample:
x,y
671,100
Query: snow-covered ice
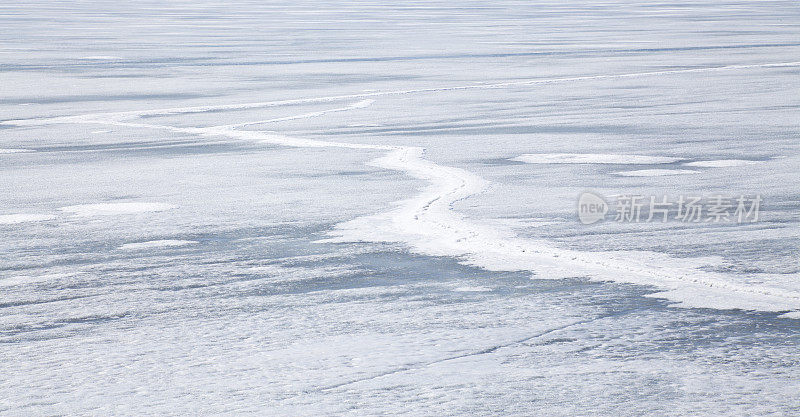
x,y
369,208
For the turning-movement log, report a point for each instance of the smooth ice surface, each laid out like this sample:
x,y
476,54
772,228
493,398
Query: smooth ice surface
x,y
576,158
655,172
323,208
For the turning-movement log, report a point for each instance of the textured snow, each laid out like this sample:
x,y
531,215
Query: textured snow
x,y
154,244
472,289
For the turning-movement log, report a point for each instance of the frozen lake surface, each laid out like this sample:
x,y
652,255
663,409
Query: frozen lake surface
x,y
370,208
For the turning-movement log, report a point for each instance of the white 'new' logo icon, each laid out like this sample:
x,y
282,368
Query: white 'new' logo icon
x,y
591,208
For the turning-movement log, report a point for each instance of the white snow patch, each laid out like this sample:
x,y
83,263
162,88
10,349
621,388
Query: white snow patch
x,y
21,280
14,150
591,158
24,218
721,163
656,172
111,209
167,243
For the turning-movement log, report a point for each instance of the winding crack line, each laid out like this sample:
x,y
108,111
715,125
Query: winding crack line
x,y
453,184
450,184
